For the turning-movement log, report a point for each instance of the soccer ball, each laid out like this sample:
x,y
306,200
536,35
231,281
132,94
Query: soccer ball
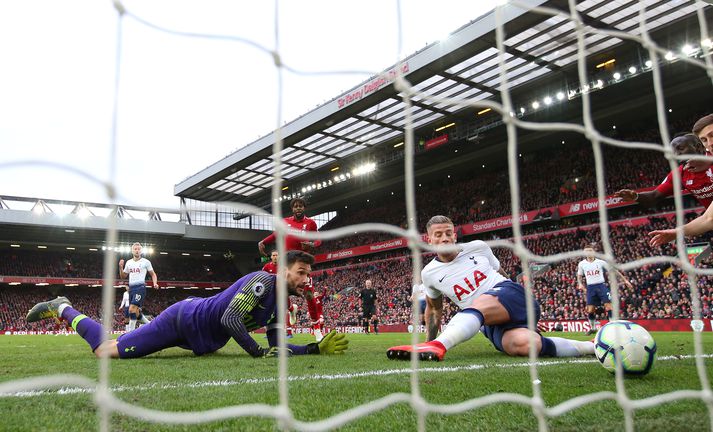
x,y
630,343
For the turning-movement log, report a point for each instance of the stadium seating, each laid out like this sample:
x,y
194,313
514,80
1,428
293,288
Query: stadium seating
x,y
659,292
569,178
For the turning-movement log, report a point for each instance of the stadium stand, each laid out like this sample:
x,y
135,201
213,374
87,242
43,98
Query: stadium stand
x,y
569,178
659,291
654,296
15,262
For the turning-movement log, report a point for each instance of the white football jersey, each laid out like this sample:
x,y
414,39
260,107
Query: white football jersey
x,y
593,271
419,291
137,270
473,272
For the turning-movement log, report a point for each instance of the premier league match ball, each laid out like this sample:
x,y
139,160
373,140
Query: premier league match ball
x,y
628,343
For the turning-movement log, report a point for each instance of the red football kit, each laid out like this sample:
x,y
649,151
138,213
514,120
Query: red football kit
x,y
699,184
270,267
293,242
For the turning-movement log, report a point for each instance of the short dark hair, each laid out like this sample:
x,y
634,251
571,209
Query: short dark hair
x,y
296,200
438,219
294,256
692,139
702,123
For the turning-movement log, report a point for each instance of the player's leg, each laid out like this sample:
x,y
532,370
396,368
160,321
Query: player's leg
x,y
365,320
462,327
290,318
159,334
312,309
512,335
487,308
422,310
606,299
126,318
88,329
516,342
136,302
133,315
375,324
592,303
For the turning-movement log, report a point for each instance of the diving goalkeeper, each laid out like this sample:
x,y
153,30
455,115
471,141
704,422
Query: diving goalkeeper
x,y
204,325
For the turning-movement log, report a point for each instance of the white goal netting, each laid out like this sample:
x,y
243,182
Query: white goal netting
x,y
108,403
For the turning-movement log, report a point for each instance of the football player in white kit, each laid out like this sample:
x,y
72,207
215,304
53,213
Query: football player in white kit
x,y
593,269
124,307
473,279
136,268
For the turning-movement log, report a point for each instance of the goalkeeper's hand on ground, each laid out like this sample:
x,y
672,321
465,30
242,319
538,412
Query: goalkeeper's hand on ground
x,y
275,352
332,343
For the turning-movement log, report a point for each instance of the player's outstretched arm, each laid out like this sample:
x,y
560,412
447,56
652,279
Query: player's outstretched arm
x,y
433,315
333,343
647,199
697,226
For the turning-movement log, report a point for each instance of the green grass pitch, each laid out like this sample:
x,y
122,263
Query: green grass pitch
x,y
176,380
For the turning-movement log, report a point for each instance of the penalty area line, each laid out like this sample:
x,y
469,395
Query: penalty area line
x,y
318,377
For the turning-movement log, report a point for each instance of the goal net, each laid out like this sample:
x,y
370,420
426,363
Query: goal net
x,y
587,38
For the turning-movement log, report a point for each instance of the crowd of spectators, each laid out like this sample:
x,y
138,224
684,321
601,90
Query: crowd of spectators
x,y
660,290
73,264
15,301
569,177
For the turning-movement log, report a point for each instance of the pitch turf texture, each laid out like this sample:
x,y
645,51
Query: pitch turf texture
x,y
175,380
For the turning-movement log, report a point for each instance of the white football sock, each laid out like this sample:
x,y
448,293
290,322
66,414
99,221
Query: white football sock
x,y
572,348
61,308
132,324
463,326
126,328
144,320
318,334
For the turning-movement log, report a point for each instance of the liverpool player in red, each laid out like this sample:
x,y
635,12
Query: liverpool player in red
x,y
271,266
298,221
315,309
696,176
291,318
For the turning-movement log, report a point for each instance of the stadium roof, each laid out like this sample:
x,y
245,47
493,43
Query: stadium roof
x,y
57,223
541,49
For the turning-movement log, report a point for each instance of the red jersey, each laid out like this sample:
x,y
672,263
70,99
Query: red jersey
x,y
270,267
699,184
292,242
309,286
314,307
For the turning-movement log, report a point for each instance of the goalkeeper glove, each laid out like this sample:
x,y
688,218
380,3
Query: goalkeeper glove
x,y
275,352
332,343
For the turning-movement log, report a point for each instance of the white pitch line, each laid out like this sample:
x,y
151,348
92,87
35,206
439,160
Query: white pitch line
x,y
316,377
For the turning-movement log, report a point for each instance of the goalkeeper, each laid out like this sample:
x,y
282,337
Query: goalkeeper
x,y
204,325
